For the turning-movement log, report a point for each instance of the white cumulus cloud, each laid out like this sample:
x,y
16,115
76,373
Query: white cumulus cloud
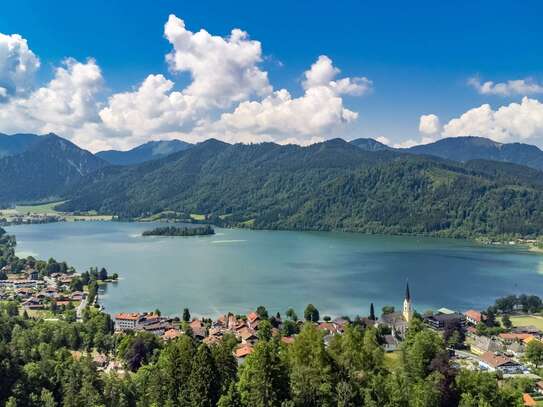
x,y
429,124
283,118
228,96
18,65
523,87
64,105
223,70
514,122
323,73
153,108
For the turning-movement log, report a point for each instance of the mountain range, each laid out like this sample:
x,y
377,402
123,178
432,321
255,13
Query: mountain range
x,y
447,188
332,185
145,152
463,149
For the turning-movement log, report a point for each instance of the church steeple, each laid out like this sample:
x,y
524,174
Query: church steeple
x,y
407,306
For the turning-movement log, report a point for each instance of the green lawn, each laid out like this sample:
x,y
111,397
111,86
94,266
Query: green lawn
x,y
534,320
43,208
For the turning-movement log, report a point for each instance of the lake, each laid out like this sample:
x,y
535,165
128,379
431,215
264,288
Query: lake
x,y
237,270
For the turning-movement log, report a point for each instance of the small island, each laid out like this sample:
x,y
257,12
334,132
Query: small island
x,y
180,231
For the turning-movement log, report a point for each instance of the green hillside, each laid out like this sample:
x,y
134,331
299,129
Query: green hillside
x,y
328,186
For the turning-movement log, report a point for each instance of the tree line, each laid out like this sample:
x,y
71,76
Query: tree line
x,y
45,363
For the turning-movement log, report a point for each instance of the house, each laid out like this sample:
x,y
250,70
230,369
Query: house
x,y
328,327
127,321
24,292
253,319
242,351
158,327
515,348
248,336
33,303
496,362
171,334
198,329
439,321
473,317
484,344
77,296
539,386
391,343
32,274
211,340
149,318
529,329
513,336
49,292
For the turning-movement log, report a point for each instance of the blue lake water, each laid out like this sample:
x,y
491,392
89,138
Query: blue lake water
x,y
237,270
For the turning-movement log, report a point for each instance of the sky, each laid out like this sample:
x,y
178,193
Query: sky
x,y
115,74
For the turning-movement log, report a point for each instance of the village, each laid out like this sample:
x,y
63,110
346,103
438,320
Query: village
x,y
505,352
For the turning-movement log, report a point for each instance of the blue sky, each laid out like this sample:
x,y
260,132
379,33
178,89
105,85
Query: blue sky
x,y
418,57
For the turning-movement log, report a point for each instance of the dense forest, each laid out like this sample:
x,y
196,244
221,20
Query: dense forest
x,y
327,186
43,170
180,231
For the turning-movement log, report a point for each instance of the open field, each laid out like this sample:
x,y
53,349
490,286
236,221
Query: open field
x,y
46,208
525,320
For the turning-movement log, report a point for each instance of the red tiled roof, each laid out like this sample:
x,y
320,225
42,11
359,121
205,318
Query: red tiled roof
x,y
494,360
171,334
252,316
196,324
511,336
246,333
475,315
243,351
134,316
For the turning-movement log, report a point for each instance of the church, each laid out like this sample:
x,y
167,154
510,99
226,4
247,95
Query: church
x,y
399,321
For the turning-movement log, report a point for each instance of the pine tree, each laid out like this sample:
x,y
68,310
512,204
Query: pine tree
x,y
186,315
175,363
203,380
263,377
231,398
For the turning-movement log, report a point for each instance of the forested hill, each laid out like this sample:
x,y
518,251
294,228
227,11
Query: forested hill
x,y
470,148
44,169
327,186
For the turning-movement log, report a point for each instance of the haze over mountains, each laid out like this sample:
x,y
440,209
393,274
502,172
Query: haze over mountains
x,y
145,152
335,185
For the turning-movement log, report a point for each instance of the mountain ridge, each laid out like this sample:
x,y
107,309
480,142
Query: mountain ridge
x,y
150,150
44,169
332,185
